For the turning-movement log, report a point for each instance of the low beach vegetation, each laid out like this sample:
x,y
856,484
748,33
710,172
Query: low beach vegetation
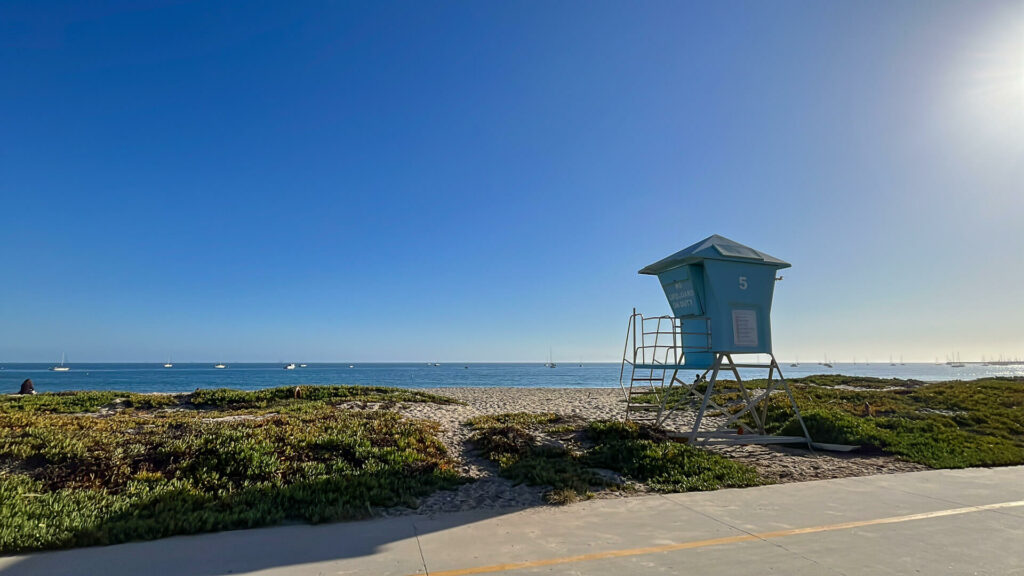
x,y
941,425
954,424
80,469
572,457
74,402
85,401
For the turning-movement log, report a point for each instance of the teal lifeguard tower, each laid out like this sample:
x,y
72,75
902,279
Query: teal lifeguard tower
x,y
720,293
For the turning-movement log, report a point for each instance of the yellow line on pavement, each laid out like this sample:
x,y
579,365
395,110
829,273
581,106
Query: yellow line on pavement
x,y
719,541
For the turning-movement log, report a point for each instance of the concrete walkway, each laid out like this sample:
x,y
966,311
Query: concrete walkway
x,y
936,522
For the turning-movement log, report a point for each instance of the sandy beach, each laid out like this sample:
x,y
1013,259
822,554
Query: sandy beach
x,y
778,464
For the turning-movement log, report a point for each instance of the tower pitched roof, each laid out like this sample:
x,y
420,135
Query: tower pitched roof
x,y
714,248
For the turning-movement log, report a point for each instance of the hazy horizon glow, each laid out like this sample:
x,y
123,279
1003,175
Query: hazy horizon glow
x,y
481,182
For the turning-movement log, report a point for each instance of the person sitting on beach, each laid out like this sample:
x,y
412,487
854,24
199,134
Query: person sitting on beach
x,y
27,387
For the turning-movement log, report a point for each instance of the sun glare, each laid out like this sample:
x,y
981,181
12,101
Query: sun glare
x,y
981,111
988,86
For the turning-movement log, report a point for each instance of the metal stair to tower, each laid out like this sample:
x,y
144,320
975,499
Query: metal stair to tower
x,y
650,361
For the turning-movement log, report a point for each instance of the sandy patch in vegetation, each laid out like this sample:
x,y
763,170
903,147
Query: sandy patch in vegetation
x,y
777,464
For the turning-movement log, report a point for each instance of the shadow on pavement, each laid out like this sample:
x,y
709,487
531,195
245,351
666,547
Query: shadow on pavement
x,y
241,551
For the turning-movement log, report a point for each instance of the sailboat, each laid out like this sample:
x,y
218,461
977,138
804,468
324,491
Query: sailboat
x,y
795,364
827,364
551,360
958,363
60,367
168,364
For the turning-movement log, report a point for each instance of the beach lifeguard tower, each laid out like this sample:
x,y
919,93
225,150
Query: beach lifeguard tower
x,y
720,293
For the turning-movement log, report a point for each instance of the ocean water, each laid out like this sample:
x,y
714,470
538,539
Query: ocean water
x,y
188,377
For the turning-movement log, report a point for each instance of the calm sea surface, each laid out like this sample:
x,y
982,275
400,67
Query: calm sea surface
x,y
188,377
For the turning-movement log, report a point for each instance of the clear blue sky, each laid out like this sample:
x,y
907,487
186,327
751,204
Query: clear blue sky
x,y
380,181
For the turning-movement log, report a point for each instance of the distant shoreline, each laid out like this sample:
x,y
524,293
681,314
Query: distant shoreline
x,y
456,390
185,378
